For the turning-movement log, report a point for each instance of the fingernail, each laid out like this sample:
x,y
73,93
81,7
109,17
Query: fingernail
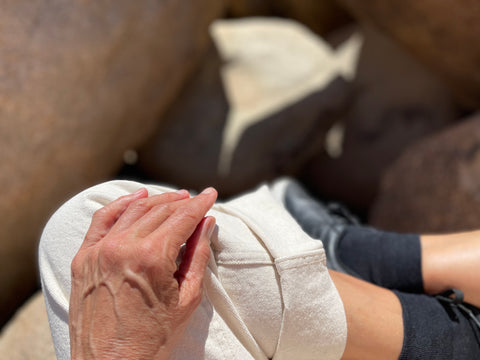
x,y
208,190
210,227
183,192
138,192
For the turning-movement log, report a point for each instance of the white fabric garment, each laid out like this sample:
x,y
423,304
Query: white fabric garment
x,y
268,294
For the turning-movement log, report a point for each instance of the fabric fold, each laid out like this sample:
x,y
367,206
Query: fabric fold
x,y
267,291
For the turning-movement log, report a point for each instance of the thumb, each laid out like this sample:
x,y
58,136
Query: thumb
x,y
191,271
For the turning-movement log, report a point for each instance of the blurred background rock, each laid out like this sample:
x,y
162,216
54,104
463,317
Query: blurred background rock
x,y
371,103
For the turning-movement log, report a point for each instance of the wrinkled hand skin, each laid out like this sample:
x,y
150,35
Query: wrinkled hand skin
x,y
129,300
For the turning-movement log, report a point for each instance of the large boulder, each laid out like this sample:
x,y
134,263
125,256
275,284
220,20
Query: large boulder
x,y
27,334
435,185
321,16
242,8
280,89
81,82
397,101
443,34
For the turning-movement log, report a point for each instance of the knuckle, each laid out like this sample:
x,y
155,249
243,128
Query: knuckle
x,y
194,300
148,263
140,205
78,264
188,214
100,213
138,256
111,252
163,208
146,253
150,256
162,199
165,196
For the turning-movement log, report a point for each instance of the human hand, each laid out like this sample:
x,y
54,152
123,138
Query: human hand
x,y
128,299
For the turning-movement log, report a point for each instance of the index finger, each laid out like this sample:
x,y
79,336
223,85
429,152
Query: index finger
x,y
179,226
106,217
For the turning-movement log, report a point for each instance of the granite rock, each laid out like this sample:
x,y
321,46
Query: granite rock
x,y
442,34
320,16
81,82
27,335
435,185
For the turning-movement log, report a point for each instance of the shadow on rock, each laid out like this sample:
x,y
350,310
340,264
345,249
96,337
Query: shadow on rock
x,y
434,186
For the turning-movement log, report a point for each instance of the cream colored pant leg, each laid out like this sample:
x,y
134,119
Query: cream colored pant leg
x,y
59,243
268,293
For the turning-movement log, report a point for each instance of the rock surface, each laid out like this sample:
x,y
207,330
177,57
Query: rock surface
x,y
443,34
27,335
243,8
185,150
396,101
435,185
81,82
320,16
280,89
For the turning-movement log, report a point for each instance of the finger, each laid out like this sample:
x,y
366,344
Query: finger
x,y
178,228
150,221
104,218
139,208
191,271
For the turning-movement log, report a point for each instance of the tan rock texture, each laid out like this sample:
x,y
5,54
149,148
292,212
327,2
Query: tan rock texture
x,y
435,185
241,8
321,16
27,335
443,34
81,82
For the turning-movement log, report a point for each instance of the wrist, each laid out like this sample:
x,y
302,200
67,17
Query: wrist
x,y
119,352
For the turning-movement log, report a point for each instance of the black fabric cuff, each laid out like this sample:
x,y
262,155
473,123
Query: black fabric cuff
x,y
386,259
435,330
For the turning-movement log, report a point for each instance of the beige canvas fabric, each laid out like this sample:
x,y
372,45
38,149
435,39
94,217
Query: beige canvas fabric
x,y
268,294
